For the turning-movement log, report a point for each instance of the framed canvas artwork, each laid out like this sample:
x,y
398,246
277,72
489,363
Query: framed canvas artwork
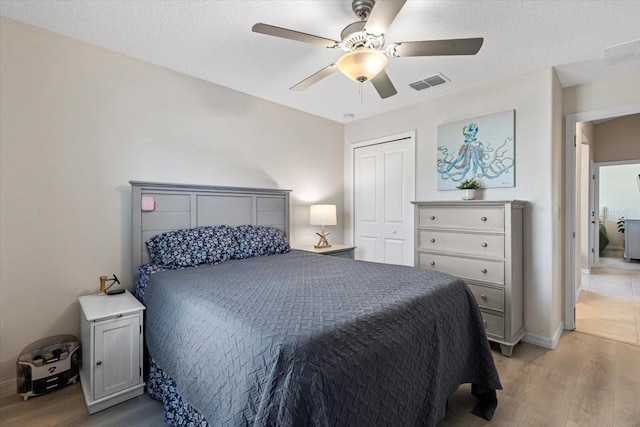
x,y
481,147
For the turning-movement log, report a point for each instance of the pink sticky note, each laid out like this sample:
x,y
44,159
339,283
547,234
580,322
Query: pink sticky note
x,y
148,204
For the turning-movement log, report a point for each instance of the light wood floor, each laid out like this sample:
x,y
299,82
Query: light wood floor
x,y
609,305
587,381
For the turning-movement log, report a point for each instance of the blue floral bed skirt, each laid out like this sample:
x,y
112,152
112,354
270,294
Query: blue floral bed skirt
x,y
162,387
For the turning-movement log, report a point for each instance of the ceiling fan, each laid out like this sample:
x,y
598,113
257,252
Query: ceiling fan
x,y
363,41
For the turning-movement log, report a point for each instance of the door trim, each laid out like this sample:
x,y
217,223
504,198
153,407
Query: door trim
x,y
350,199
570,199
594,188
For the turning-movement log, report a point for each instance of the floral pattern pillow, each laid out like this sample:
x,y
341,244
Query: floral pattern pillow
x,y
258,240
192,246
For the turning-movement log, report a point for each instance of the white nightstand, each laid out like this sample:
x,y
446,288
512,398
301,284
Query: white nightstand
x,y
341,251
111,334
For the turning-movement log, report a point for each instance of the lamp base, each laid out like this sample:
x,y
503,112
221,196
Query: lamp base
x,y
323,242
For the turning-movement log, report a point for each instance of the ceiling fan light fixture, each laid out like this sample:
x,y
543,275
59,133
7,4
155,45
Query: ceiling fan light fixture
x,y
362,64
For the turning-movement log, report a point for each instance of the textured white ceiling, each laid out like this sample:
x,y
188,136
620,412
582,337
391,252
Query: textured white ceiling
x,y
212,40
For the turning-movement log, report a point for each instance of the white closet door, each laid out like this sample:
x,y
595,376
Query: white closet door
x,y
384,186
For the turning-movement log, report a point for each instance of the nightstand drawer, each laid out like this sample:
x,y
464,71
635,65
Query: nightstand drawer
x,y
493,323
465,268
487,297
479,218
491,245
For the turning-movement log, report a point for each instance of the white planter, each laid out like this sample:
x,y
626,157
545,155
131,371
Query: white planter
x,y
468,194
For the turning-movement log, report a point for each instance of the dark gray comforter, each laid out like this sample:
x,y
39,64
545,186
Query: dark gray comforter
x,y
301,339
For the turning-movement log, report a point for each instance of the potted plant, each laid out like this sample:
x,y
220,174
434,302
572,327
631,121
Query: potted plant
x,y
469,187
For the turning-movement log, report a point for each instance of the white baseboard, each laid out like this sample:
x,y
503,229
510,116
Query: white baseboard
x,y
578,292
585,270
545,342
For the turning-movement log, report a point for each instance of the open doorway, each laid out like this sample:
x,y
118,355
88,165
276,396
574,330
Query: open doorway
x,y
574,191
608,303
617,192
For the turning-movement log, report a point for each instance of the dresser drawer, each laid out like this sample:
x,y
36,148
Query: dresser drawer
x,y
473,269
490,245
476,218
493,323
487,297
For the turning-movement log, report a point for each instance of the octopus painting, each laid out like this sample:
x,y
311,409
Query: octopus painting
x,y
491,165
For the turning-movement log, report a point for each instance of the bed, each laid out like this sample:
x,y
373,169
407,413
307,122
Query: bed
x,y
244,331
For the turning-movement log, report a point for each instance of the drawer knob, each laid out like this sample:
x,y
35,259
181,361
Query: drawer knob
x,y
483,244
99,362
484,218
484,297
433,240
432,263
432,217
484,270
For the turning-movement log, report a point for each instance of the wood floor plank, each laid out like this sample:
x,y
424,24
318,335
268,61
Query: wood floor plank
x,y
609,304
593,401
627,386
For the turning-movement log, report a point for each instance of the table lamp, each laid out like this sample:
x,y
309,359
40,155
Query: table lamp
x,y
322,215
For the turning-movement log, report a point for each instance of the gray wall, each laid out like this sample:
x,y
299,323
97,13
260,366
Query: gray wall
x,y
617,139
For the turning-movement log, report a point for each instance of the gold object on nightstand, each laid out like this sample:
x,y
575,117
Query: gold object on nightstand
x,y
323,242
103,283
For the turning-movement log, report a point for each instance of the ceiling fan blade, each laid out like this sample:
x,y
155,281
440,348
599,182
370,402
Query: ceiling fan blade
x,y
382,15
439,47
315,78
382,84
285,33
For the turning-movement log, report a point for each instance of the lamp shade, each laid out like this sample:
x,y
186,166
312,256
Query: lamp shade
x,y
362,64
322,215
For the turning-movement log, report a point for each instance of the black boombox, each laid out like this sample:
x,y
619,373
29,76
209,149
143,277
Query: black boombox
x,y
48,364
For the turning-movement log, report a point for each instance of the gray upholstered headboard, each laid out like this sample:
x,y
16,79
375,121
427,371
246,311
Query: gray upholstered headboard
x,y
177,206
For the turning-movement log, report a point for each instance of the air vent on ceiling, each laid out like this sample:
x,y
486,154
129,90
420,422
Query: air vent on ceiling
x,y
436,80
622,53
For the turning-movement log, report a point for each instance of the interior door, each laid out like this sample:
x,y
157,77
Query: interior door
x,y
384,186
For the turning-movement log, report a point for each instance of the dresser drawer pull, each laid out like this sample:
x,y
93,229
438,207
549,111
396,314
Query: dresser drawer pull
x,y
484,270
483,297
99,362
432,217
484,218
432,263
433,240
483,244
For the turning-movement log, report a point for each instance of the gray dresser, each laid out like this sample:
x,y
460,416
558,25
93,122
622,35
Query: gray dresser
x,y
480,242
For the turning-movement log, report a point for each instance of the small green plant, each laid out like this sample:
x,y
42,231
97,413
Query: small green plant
x,y
620,225
469,184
